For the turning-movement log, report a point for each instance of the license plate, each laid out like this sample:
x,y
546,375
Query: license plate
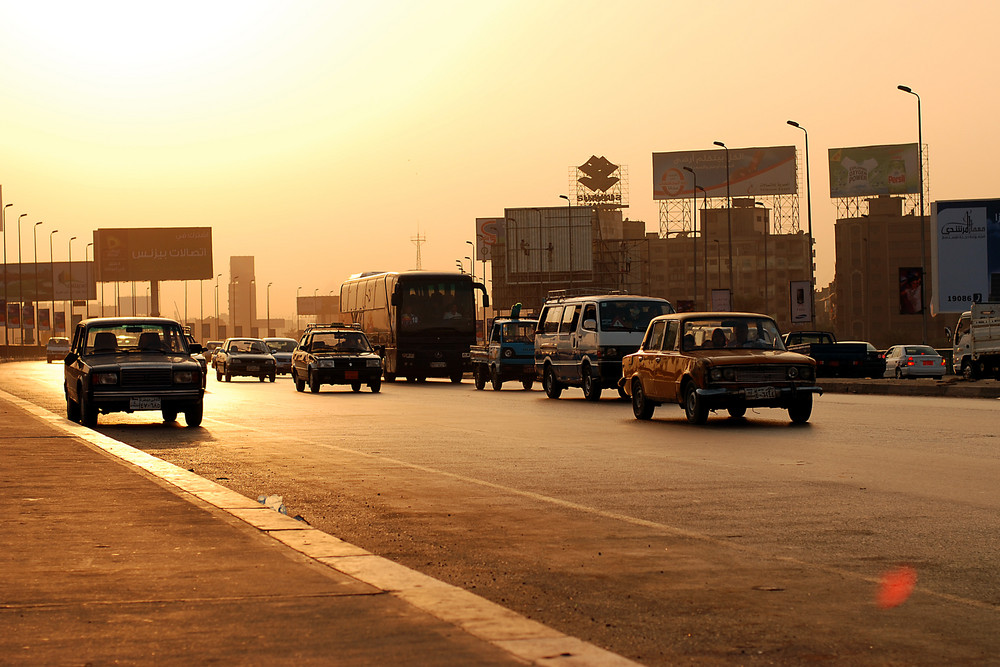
x,y
438,364
144,403
253,369
928,363
350,375
757,393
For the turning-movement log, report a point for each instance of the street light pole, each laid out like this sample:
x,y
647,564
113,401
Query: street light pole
x,y
52,272
267,326
218,333
298,323
86,296
923,232
729,226
809,218
704,242
251,302
569,235
34,246
69,325
694,234
475,305
3,219
20,285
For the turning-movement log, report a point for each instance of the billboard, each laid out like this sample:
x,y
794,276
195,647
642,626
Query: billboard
x,y
552,243
965,253
800,301
752,172
489,232
867,171
165,253
55,281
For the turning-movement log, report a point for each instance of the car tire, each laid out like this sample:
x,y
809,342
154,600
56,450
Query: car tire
x,y
263,377
527,384
72,409
737,411
169,416
355,387
642,408
88,411
479,377
194,414
375,385
801,409
456,377
551,385
694,407
591,386
899,373
314,383
495,381
218,375
300,384
272,377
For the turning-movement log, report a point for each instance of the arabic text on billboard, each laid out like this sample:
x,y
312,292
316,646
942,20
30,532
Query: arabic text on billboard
x,y
867,171
752,172
965,253
174,253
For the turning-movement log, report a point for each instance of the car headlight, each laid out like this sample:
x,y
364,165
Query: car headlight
x,y
724,373
508,352
325,363
609,352
184,377
374,363
105,378
792,372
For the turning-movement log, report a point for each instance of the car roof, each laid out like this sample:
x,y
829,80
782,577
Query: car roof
x,y
110,321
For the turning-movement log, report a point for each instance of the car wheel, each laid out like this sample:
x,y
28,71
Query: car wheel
x,y
456,377
527,384
300,384
479,377
641,407
72,409
355,386
88,411
272,377
800,409
899,373
193,415
375,385
967,371
694,407
591,386
495,380
169,416
737,411
622,394
314,383
218,375
263,377
552,387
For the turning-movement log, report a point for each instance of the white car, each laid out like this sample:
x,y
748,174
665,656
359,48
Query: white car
x,y
911,361
56,349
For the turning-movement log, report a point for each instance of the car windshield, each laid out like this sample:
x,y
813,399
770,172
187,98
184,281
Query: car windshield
x,y
920,349
731,332
631,314
340,341
248,347
519,332
133,338
281,345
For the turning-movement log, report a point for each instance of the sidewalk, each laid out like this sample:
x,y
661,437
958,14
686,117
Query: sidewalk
x,y
106,560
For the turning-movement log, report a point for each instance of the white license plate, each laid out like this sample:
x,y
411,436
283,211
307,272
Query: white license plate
x,y
757,393
438,364
144,403
253,369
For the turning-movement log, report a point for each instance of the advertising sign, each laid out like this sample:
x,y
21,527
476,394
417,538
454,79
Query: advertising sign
x,y
172,253
867,171
35,281
554,243
43,319
801,304
489,232
28,316
721,300
13,316
3,313
60,321
752,172
911,290
965,253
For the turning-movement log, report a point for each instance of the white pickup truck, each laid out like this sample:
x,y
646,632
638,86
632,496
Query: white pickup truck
x,y
976,342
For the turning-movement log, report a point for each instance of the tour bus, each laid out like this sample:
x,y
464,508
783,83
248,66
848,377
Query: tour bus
x,y
423,321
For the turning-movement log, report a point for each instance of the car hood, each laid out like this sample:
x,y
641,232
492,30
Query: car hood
x,y
750,356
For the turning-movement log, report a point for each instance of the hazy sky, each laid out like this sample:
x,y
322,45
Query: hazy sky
x,y
320,136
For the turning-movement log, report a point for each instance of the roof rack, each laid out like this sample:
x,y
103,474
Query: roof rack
x,y
332,325
560,294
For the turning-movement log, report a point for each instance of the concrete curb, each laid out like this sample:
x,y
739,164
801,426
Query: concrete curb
x,y
950,385
526,640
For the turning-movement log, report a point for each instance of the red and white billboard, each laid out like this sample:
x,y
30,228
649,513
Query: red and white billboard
x,y
752,172
171,253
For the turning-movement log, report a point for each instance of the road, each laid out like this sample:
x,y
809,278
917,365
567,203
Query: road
x,y
746,541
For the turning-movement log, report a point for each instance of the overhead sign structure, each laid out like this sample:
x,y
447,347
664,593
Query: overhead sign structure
x,y
965,253
752,172
868,171
171,253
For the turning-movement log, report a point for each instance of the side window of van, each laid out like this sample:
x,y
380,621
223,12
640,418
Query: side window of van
x,y
570,317
590,313
551,322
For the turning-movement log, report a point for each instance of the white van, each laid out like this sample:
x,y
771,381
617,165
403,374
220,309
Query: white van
x,y
580,340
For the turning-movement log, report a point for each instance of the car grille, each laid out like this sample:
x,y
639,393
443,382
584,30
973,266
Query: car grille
x,y
146,377
347,363
761,374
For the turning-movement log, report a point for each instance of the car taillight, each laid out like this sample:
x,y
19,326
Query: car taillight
x,y
909,361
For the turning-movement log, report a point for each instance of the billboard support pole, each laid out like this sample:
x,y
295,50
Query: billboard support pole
x,y
809,218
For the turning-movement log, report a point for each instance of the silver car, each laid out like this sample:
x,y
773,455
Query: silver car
x,y
281,350
911,361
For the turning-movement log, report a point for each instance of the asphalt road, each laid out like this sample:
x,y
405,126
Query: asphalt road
x,y
746,541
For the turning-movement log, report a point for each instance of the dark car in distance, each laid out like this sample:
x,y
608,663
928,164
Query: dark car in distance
x,y
248,357
129,364
335,354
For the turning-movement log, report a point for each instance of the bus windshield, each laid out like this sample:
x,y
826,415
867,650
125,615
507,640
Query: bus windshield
x,y
436,304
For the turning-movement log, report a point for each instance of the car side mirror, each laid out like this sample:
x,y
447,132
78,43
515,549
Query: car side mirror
x,y
70,358
590,325
196,348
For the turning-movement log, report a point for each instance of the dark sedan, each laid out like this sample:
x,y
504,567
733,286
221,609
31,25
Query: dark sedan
x,y
248,357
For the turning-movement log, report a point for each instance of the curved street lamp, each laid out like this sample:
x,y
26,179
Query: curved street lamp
x,y
217,332
3,226
694,233
69,324
267,327
52,275
34,245
923,232
809,218
20,284
729,226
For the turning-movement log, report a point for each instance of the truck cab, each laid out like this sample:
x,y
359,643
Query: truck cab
x,y
976,342
509,354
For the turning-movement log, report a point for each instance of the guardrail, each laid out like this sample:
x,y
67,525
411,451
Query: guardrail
x,y
21,352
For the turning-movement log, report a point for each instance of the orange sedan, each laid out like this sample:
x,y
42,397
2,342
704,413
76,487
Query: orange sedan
x,y
712,361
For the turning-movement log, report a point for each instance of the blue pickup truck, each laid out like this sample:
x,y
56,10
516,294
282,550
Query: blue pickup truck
x,y
509,353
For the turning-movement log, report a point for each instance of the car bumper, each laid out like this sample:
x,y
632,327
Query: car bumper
x,y
785,396
343,376
133,401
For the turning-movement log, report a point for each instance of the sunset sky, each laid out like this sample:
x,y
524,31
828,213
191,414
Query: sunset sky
x,y
321,136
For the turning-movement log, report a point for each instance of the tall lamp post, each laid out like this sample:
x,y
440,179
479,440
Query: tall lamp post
x,y
267,327
729,227
217,332
52,275
85,275
704,242
475,306
923,232
69,324
569,234
34,246
694,233
809,218
298,323
251,302
6,322
20,284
